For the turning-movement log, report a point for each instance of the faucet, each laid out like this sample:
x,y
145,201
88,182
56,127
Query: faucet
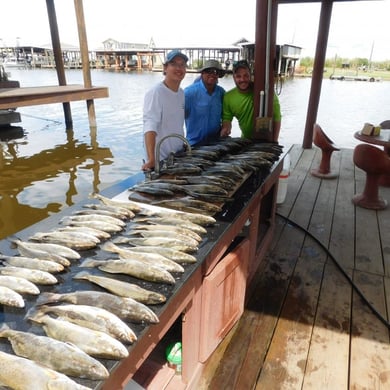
x,y
157,167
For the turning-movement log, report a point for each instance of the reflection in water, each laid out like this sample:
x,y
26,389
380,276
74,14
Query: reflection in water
x,y
20,172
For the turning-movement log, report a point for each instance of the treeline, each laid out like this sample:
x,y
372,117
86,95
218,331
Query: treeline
x,y
338,62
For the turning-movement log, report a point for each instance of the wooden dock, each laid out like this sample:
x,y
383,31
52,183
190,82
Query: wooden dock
x,y
317,318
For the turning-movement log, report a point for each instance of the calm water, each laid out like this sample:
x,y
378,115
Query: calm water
x,y
44,169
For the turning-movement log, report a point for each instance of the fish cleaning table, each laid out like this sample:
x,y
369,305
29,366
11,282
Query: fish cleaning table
x,y
226,261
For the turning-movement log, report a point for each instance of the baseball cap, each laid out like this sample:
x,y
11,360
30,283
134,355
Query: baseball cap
x,y
241,64
175,53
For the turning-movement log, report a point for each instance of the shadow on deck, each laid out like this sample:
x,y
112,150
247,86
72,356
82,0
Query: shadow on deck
x,y
318,316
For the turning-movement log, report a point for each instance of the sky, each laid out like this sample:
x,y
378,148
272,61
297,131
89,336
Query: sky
x,y
358,28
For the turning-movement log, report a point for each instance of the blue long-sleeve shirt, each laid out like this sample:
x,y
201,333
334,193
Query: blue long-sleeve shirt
x,y
203,112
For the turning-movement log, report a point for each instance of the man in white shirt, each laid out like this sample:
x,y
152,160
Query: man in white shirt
x,y
163,112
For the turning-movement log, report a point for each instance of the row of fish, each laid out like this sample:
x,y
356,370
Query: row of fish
x,y
204,179
87,325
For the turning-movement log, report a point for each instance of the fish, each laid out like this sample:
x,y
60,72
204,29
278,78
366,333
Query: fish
x,y
173,235
181,170
93,342
187,203
75,240
204,189
148,258
198,219
33,275
168,181
90,317
97,217
24,374
53,251
128,309
10,297
26,250
54,354
211,198
117,211
123,289
179,229
106,213
107,227
133,268
33,263
18,284
101,234
173,254
171,221
153,190
132,206
157,241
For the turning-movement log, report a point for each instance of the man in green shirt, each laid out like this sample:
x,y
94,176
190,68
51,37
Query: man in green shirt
x,y
238,103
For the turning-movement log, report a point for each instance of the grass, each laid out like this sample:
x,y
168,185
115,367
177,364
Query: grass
x,y
382,75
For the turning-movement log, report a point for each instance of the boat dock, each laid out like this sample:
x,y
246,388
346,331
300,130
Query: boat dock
x,y
318,317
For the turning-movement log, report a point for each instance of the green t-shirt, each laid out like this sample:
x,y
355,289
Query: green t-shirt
x,y
240,105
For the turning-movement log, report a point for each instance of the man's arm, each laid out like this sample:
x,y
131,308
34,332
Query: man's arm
x,y
150,146
226,128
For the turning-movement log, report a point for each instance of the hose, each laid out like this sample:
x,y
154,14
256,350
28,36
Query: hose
x,y
341,269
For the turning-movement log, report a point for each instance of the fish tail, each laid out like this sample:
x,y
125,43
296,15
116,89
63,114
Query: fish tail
x,y
47,297
4,328
91,263
34,315
82,275
109,246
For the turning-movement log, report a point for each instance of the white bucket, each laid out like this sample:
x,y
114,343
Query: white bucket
x,y
283,180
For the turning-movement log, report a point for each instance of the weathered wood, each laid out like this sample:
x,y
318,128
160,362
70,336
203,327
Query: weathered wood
x,y
328,358
31,96
370,349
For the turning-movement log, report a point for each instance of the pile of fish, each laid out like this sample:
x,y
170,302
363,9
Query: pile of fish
x,y
204,179
141,243
83,327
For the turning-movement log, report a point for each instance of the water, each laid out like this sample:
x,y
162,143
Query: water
x,y
47,169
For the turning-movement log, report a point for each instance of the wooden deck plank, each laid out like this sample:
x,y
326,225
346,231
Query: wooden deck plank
x,y
285,362
370,349
368,246
384,229
342,236
328,359
30,96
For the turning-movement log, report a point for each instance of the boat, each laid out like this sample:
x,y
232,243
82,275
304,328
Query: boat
x,y
12,62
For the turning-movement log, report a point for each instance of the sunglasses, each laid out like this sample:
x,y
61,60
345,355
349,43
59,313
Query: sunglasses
x,y
241,63
212,71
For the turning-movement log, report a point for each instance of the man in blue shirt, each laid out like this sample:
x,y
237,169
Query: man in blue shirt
x,y
203,105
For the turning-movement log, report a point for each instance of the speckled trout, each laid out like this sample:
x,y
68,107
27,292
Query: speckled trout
x,y
92,342
128,309
20,373
123,289
54,354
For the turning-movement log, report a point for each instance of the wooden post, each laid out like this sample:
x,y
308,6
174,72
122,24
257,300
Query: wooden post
x,y
316,81
58,57
78,5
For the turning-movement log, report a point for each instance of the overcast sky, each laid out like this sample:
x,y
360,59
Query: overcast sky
x,y
358,28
